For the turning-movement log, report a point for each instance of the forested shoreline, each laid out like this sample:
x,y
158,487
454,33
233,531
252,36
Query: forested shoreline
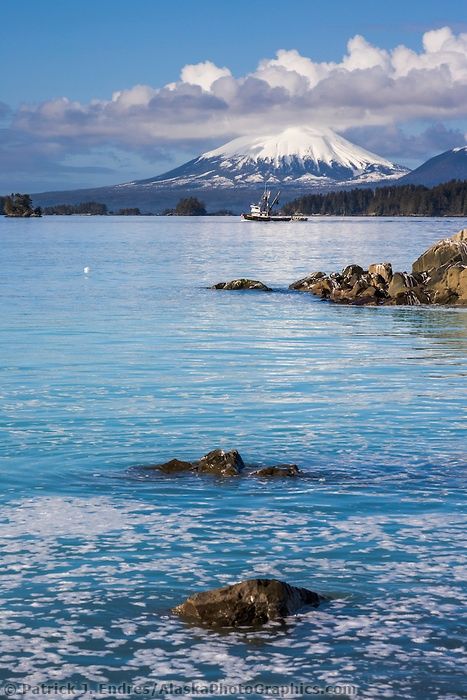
x,y
448,199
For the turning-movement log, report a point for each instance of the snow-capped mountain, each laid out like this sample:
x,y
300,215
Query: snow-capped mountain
x,y
296,161
450,165
297,157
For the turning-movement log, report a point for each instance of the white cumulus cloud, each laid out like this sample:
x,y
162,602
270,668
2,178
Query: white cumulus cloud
x,y
370,87
203,74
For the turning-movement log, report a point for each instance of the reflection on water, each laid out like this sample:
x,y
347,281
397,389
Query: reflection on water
x,y
138,362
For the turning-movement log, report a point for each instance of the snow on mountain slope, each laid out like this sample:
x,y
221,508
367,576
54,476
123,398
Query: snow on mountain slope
x,y
299,144
297,156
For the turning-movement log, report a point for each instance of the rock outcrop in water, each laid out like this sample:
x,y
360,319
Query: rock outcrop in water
x,y
172,467
242,284
249,603
222,463
280,471
217,462
439,276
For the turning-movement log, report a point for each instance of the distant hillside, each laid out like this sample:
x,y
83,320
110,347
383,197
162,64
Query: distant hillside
x,y
450,165
448,199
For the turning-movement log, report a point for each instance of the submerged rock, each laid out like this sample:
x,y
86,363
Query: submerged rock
x,y
439,276
242,284
278,471
253,602
221,463
172,466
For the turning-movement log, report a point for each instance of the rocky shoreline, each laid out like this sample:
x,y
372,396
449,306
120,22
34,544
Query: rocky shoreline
x,y
438,276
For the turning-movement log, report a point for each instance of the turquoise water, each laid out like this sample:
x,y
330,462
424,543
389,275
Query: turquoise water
x,y
137,362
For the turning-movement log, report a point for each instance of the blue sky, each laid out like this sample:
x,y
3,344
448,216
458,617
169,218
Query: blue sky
x,y
87,51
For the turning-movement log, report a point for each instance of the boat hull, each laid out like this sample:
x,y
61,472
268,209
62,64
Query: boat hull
x,y
253,217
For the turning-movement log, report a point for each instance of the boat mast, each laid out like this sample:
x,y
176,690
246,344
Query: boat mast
x,y
265,200
274,201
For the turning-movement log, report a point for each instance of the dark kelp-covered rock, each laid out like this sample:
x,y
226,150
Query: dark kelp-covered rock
x,y
278,471
221,463
171,467
242,284
439,276
249,603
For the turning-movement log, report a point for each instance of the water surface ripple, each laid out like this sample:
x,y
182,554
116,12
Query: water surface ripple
x,y
138,362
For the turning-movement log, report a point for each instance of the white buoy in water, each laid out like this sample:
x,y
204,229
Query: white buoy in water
x,y
87,270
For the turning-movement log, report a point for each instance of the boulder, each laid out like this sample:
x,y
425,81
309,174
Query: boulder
x,y
382,269
449,250
220,463
359,287
340,296
369,292
400,282
249,603
368,297
304,284
411,297
352,270
378,281
322,287
449,285
278,471
242,284
352,280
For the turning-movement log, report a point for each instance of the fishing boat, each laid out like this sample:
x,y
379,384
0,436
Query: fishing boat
x,y
263,210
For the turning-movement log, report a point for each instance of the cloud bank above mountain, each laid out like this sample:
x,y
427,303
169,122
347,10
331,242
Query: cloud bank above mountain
x,y
370,91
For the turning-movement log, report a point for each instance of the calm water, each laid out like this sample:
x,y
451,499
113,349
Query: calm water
x,y
138,362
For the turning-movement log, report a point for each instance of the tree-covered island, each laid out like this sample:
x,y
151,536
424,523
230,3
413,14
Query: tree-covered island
x,y
18,205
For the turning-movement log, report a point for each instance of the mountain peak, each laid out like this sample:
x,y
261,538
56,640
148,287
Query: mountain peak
x,y
297,157
450,165
303,143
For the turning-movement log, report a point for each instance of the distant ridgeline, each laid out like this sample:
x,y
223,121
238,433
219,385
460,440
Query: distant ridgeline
x,y
448,199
